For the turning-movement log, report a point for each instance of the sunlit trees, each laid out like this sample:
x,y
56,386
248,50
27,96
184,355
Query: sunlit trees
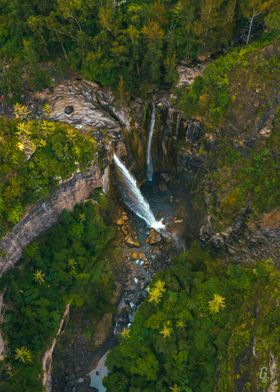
x,y
142,42
156,292
39,277
20,111
23,355
166,330
34,157
187,336
216,304
125,334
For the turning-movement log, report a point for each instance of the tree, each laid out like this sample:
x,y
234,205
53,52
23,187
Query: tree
x,y
125,334
216,304
39,277
156,292
175,388
166,330
23,355
215,23
272,21
253,8
153,35
21,111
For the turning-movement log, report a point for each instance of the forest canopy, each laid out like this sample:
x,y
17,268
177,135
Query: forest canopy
x,y
138,43
71,263
195,330
34,157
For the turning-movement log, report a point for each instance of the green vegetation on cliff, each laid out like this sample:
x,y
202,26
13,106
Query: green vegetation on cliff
x,y
223,95
201,329
237,101
70,264
34,157
252,180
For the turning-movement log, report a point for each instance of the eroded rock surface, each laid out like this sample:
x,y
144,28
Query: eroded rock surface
x,y
85,104
188,74
46,213
2,344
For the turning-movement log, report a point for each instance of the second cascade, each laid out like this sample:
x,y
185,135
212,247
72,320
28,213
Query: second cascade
x,y
150,168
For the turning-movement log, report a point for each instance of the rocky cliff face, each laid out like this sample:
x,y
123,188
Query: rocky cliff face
x,y
45,214
86,105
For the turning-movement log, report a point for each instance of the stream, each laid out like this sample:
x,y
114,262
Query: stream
x,y
161,201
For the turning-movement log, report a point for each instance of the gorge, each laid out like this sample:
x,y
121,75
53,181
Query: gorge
x,y
139,198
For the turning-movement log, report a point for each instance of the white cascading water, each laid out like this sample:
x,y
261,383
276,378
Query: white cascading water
x,y
134,198
150,169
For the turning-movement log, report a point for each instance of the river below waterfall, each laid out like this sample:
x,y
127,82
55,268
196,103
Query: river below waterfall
x,y
170,200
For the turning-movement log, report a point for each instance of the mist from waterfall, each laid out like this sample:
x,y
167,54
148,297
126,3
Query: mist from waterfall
x,y
134,199
150,169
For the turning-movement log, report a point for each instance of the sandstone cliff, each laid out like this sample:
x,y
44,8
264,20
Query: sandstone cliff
x,y
46,213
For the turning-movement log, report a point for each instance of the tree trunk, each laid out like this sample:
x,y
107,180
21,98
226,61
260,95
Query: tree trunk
x,y
250,29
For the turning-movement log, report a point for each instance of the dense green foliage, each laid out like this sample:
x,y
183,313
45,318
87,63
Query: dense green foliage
x,y
34,157
236,100
196,334
210,97
241,180
70,264
139,42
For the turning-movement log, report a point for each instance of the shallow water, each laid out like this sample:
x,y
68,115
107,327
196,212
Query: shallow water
x,y
97,374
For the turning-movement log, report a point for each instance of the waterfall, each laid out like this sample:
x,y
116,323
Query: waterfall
x,y
134,198
150,169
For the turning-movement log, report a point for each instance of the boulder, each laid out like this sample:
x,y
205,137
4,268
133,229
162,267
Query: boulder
x,y
153,237
122,219
134,255
132,242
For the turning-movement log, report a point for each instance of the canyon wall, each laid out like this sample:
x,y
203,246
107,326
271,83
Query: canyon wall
x,y
43,215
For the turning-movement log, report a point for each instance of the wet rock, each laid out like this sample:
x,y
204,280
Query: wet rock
x,y
132,242
165,176
134,255
124,230
194,131
69,109
163,187
39,111
122,220
153,238
176,220
190,162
